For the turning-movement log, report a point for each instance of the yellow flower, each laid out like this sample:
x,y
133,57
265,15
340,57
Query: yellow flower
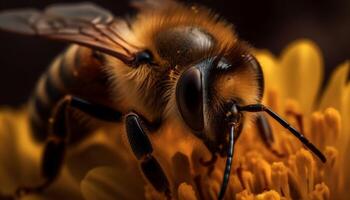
x,y
326,115
103,167
293,86
20,160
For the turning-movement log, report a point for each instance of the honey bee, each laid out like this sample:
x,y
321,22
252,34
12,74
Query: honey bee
x,y
169,61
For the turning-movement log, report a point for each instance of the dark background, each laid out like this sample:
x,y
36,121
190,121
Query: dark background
x,y
265,24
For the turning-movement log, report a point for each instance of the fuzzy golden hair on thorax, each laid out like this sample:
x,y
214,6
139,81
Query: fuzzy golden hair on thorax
x,y
178,36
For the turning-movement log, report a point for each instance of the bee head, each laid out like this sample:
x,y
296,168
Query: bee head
x,y
206,91
193,67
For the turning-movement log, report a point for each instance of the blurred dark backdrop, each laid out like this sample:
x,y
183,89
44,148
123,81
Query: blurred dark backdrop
x,y
265,24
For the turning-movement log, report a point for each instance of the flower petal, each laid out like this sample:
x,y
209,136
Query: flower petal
x,y
20,159
18,153
302,67
108,183
346,132
334,92
95,155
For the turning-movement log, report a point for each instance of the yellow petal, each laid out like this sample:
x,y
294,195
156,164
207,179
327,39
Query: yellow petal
x,y
20,161
346,134
333,95
20,157
64,187
345,110
108,183
302,67
95,155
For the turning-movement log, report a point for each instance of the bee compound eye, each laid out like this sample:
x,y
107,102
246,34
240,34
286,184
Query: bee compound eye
x,y
189,98
143,57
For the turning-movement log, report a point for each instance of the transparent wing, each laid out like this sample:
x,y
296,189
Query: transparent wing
x,y
83,23
153,4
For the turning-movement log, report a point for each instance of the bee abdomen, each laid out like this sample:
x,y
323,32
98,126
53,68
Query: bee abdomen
x,y
52,86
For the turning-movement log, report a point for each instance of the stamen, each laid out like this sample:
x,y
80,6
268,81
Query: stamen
x,y
316,130
321,192
288,144
181,168
332,154
213,189
334,171
262,171
333,122
305,166
244,195
151,193
269,195
302,167
293,110
186,192
279,179
248,181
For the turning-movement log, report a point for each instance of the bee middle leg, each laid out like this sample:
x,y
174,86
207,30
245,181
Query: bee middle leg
x,y
54,150
266,134
142,149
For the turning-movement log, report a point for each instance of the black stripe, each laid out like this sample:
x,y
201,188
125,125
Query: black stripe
x,y
39,129
77,58
42,109
53,92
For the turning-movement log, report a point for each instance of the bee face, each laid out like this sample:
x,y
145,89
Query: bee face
x,y
198,66
205,91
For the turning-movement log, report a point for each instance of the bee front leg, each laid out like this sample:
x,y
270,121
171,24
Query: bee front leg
x,y
54,150
142,148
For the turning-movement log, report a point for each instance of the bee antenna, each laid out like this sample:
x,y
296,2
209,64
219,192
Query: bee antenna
x,y
262,108
229,158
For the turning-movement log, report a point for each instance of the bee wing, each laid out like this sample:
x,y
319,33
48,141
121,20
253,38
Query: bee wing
x,y
84,23
153,4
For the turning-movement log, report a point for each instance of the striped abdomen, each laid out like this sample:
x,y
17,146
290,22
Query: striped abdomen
x,y
75,72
